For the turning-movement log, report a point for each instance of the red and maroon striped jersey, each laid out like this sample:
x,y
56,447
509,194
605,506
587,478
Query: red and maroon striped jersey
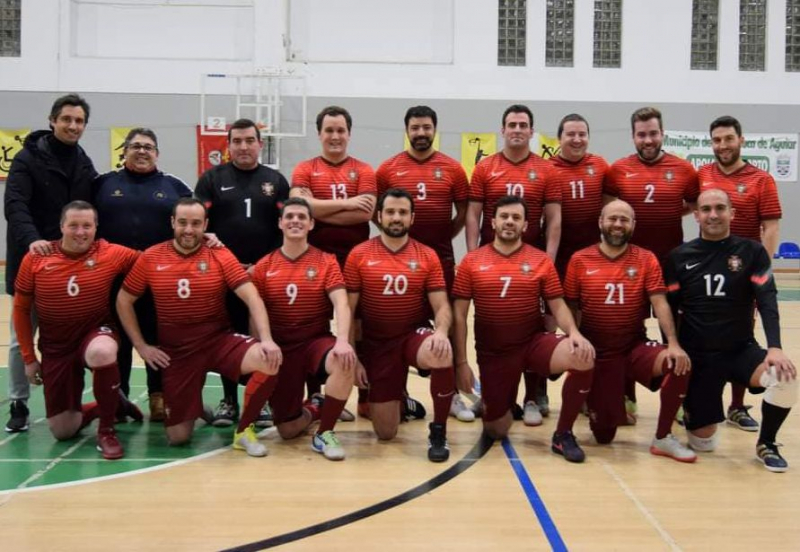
x,y
507,292
394,286
435,184
295,293
531,179
189,291
72,293
343,180
613,295
656,192
581,202
753,194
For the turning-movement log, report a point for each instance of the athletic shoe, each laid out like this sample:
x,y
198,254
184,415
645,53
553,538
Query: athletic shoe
x,y
772,459
413,409
208,415
477,408
328,445
543,402
438,451
264,417
126,409
346,416
670,447
18,422
247,441
363,411
679,417
531,415
226,414
108,444
314,406
630,412
516,412
157,412
739,417
459,410
566,445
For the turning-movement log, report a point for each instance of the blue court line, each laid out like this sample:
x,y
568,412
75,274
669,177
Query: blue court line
x,y
536,502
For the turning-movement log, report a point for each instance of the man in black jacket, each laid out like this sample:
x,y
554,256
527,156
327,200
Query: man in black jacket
x,y
50,171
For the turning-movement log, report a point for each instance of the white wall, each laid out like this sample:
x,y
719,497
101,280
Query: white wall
x,y
163,46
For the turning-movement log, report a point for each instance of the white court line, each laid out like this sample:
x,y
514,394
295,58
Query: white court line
x,y
642,508
80,460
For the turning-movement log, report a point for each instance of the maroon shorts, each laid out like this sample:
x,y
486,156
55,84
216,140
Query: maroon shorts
x,y
184,378
500,373
606,401
299,361
63,375
387,363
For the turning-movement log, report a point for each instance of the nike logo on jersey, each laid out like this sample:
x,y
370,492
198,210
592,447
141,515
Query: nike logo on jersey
x,y
271,273
49,267
498,173
226,188
583,391
162,267
691,266
592,271
630,175
484,267
401,173
373,263
317,174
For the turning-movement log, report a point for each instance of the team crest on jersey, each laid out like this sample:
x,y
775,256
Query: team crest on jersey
x,y
413,265
117,193
668,176
311,273
90,263
590,171
267,189
531,175
741,187
631,271
159,195
352,175
525,268
734,263
437,173
202,266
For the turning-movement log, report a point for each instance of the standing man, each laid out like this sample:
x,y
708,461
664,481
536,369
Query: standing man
x,y
50,171
133,206
713,282
302,287
243,199
396,281
612,284
754,197
69,289
507,279
189,281
438,185
517,171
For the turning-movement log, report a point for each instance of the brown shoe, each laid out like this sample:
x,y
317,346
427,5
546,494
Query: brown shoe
x,y
157,412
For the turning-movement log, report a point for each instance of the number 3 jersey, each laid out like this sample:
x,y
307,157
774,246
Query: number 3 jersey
x,y
71,293
296,293
393,286
189,291
507,292
713,285
613,295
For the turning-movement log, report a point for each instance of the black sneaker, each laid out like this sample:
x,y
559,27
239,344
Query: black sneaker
x,y
226,414
126,409
264,417
438,451
741,418
19,417
516,412
566,445
771,458
413,409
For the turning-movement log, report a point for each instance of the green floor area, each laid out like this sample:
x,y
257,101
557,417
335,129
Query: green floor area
x,y
34,458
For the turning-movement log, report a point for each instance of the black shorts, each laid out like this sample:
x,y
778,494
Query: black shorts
x,y
710,372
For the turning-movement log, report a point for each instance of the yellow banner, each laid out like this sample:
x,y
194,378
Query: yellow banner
x,y
476,146
117,143
547,146
11,141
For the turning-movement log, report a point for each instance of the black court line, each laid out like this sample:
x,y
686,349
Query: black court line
x,y
476,453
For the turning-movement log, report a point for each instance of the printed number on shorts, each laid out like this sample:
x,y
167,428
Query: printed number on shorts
x,y
338,191
515,189
395,285
421,192
184,291
714,289
291,293
616,294
72,286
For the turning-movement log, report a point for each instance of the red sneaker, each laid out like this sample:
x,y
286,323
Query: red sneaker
x,y
314,406
109,445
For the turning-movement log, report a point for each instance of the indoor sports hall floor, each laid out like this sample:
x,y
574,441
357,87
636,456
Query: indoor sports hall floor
x,y
515,495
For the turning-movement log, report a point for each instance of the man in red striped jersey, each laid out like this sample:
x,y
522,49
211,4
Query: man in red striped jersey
x,y
754,197
396,281
302,287
189,281
507,280
611,284
70,289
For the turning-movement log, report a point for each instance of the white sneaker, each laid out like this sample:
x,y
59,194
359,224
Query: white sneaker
x,y
543,402
328,445
531,415
247,441
670,447
460,411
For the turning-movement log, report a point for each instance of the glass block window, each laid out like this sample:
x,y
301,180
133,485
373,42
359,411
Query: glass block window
x,y
560,41
793,35
608,33
511,27
705,34
752,35
9,28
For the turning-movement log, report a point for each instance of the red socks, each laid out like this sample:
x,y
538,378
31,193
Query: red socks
x,y
573,395
105,382
443,384
258,391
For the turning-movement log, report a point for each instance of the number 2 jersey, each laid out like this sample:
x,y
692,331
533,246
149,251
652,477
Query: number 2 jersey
x,y
189,292
71,293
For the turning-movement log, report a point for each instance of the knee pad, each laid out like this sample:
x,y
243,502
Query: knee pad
x,y
604,435
778,393
703,444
